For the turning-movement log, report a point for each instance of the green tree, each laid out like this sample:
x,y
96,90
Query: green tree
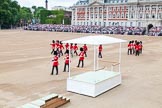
x,y
36,13
51,17
25,15
11,13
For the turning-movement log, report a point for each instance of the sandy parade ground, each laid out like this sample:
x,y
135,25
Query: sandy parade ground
x,y
25,67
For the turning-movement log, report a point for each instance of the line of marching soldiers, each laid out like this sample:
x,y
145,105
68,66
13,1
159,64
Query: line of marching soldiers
x,y
57,51
135,47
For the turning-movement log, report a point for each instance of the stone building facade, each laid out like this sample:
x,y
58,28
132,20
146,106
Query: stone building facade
x,y
137,13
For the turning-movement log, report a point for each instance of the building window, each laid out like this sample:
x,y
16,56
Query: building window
x,y
147,16
126,15
139,24
123,8
95,15
104,15
125,23
122,24
110,15
131,24
109,23
105,9
118,15
114,15
100,15
122,15
131,15
100,24
110,8
91,15
104,24
141,15
118,8
114,8
95,9
91,9
153,16
160,16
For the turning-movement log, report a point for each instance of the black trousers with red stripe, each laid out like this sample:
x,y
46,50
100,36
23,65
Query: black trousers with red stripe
x,y
65,67
137,53
53,70
82,63
99,55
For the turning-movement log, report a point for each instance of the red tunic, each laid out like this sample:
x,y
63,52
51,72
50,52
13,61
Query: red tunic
x,y
75,47
57,45
53,45
137,47
81,55
71,47
67,59
140,46
61,47
100,48
67,46
55,61
129,46
85,48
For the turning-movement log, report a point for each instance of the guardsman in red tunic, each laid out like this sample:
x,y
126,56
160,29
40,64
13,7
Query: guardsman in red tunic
x,y
66,47
58,47
71,49
81,57
61,48
75,49
140,47
100,50
66,61
85,49
129,48
55,63
137,49
134,45
53,46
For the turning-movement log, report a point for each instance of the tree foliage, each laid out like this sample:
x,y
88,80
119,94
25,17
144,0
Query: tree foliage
x,y
11,13
53,17
36,13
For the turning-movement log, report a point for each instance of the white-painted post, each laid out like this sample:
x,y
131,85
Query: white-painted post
x,y
69,60
120,58
94,58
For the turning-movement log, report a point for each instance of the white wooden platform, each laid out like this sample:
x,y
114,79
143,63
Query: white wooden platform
x,y
93,83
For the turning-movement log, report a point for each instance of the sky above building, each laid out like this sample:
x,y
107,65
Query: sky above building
x,y
51,3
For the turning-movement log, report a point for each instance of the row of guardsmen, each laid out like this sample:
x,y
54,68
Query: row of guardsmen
x,y
57,51
135,47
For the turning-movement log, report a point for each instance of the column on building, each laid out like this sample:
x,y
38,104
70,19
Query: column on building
x,y
150,12
85,16
93,16
72,20
102,21
98,15
107,16
76,16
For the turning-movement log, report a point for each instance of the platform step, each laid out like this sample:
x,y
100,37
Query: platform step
x,y
50,101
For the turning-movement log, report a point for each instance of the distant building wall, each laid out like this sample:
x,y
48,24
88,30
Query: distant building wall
x,y
139,13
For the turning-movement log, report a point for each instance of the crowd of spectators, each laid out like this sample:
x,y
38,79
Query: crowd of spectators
x,y
155,31
88,29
